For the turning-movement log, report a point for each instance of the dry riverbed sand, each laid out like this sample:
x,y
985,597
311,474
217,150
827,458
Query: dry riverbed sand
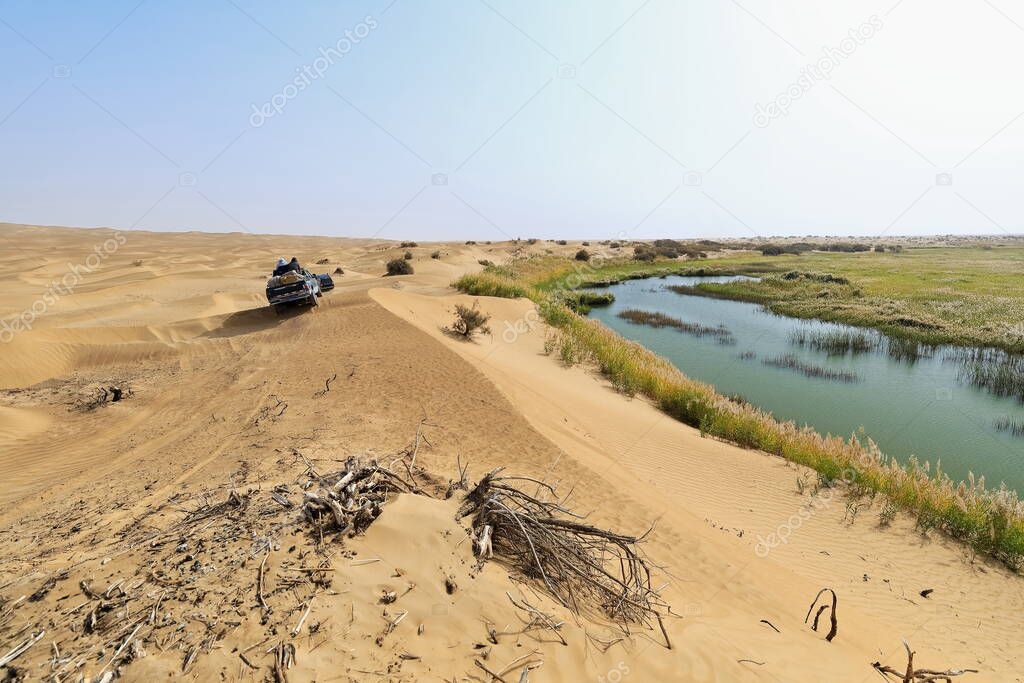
x,y
129,505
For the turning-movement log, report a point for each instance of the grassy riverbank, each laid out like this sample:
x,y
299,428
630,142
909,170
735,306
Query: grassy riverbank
x,y
966,296
990,521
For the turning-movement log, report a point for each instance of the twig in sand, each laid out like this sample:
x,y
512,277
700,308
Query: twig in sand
x,y
832,616
912,675
120,649
327,386
259,585
538,618
494,676
284,658
298,627
21,648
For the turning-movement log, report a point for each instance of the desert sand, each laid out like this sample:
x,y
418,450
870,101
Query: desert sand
x,y
118,525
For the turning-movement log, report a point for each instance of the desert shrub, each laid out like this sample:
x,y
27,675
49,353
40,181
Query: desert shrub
x,y
615,245
776,250
824,278
660,249
586,244
582,255
879,248
339,271
469,320
470,242
408,245
561,242
846,247
642,252
532,240
486,263
137,263
435,255
407,256
397,266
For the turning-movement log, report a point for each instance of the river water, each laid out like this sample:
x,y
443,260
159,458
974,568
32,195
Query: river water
x,y
920,408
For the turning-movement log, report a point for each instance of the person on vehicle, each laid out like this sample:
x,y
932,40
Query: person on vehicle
x,y
293,265
280,269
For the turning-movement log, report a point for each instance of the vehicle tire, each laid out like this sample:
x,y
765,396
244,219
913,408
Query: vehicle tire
x,y
313,301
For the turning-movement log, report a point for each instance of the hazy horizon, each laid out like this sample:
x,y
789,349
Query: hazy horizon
x,y
488,119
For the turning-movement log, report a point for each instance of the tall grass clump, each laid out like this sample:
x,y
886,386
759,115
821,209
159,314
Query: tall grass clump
x,y
835,342
490,284
655,319
906,350
1008,424
995,371
989,520
583,301
791,362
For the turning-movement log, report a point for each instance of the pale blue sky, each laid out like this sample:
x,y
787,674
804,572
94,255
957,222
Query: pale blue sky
x,y
577,118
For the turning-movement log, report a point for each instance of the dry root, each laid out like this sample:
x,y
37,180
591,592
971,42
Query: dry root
x,y
912,675
352,498
580,565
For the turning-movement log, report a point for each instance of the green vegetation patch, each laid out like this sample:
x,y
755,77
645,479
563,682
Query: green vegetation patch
x,y
990,521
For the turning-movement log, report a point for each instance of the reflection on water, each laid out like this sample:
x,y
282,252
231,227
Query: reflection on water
x,y
836,378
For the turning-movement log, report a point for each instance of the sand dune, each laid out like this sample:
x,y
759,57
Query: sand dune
x,y
228,396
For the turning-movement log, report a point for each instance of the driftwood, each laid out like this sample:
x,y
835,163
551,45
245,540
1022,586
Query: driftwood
x,y
352,498
579,565
832,614
21,648
912,675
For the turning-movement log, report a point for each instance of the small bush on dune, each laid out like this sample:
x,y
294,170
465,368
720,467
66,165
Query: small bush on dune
x,y
399,266
339,271
583,255
469,320
435,255
491,285
644,253
561,242
407,245
486,263
407,256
